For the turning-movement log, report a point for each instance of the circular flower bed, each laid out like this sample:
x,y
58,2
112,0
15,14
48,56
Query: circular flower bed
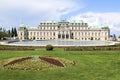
x,y
36,63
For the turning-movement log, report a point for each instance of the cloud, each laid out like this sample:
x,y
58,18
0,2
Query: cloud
x,y
112,19
59,7
32,12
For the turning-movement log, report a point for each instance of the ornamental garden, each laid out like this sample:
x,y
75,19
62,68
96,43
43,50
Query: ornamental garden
x,y
63,63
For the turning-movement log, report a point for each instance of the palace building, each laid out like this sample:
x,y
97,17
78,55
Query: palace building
x,y
63,30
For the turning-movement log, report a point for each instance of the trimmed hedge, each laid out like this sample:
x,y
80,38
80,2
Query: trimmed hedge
x,y
49,47
91,48
16,48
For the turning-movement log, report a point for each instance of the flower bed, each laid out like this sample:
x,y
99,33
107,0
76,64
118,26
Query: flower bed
x,y
17,61
52,61
35,63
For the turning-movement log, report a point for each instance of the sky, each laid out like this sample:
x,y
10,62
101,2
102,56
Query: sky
x,y
32,12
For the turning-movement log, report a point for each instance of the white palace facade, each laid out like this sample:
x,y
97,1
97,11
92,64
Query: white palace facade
x,y
63,30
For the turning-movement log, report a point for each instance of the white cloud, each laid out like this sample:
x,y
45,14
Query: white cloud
x,y
112,19
56,7
34,11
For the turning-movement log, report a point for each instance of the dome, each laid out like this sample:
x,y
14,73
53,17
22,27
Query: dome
x,y
22,25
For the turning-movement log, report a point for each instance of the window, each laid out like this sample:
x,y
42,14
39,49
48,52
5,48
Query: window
x,y
34,33
21,33
38,33
82,33
54,33
50,27
92,34
58,26
67,36
105,33
99,33
47,23
63,36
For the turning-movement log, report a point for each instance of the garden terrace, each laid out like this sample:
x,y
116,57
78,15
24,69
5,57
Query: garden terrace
x,y
89,65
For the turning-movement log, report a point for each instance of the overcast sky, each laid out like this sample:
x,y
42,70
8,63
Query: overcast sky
x,y
32,12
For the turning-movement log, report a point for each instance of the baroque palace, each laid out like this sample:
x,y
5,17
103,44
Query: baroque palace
x,y
63,30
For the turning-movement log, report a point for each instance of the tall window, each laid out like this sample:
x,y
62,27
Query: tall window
x,y
67,36
59,36
34,33
38,33
54,33
63,36
72,28
21,33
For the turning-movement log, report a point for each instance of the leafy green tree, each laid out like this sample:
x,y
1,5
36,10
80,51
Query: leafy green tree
x,y
12,32
114,37
15,32
0,29
118,36
9,32
3,34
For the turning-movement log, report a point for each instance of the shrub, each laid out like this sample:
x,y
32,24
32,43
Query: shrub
x,y
49,47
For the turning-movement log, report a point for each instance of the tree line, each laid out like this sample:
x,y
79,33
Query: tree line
x,y
8,33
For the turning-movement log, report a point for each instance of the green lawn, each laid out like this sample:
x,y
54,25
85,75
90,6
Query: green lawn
x,y
90,65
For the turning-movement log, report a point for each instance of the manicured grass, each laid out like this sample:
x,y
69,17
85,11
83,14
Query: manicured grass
x,y
90,65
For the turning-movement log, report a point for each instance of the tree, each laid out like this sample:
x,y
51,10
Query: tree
x,y
118,36
3,34
114,37
12,32
9,32
0,29
49,47
15,32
